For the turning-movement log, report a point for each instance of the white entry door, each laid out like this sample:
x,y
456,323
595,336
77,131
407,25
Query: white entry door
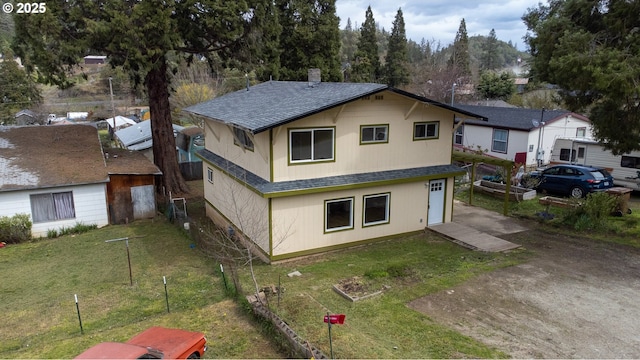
x,y
436,202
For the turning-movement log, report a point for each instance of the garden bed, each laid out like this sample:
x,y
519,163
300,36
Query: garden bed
x,y
498,190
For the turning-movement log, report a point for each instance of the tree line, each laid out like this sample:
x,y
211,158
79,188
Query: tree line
x,y
282,39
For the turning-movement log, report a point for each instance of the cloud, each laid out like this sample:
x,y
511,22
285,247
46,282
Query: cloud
x,y
438,20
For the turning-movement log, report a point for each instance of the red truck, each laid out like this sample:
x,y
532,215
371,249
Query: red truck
x,y
153,343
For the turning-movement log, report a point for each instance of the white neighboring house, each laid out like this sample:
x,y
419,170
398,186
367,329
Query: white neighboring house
x,y
525,136
55,174
625,169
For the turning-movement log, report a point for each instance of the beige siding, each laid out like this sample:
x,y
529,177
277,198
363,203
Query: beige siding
x,y
299,220
400,152
219,140
248,211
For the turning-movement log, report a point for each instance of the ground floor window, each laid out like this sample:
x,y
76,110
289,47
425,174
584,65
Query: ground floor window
x,y
52,206
376,209
338,214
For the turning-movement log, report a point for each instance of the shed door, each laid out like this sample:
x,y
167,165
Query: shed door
x,y
144,202
436,202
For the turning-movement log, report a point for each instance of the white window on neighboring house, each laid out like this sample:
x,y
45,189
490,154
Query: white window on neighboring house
x,y
242,138
458,137
311,145
499,143
376,209
581,132
371,134
52,206
210,175
426,130
531,148
338,214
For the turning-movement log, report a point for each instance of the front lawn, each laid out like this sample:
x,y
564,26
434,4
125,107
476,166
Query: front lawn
x,y
381,326
41,278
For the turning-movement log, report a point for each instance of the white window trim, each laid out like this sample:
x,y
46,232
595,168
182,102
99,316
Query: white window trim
x,y
506,142
459,133
312,130
210,175
364,210
374,127
326,215
426,124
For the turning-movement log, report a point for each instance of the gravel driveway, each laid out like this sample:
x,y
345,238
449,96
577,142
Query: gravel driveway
x,y
575,299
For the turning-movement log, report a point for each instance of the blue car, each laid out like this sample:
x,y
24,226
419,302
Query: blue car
x,y
572,180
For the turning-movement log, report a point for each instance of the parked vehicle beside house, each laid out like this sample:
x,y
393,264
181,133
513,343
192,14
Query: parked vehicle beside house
x,y
625,169
573,180
153,343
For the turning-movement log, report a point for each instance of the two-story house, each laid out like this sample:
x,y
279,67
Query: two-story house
x,y
525,136
305,167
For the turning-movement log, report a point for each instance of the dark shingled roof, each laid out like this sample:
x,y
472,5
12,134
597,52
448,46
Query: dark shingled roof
x,y
273,189
274,103
513,118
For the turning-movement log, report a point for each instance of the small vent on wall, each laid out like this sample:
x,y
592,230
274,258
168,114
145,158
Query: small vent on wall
x,y
365,98
379,97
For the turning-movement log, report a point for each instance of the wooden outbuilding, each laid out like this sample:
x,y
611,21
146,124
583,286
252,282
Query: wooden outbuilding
x,y
131,189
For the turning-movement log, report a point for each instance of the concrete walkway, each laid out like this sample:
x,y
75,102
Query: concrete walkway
x,y
478,229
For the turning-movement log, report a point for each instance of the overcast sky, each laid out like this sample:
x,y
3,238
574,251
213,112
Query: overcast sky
x,y
439,19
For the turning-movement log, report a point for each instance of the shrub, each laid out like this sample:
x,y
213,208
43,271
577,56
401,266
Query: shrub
x,y
593,212
15,229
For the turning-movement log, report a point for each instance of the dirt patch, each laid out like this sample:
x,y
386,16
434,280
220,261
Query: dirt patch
x,y
357,288
575,299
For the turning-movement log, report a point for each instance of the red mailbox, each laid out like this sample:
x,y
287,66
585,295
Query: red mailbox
x,y
334,319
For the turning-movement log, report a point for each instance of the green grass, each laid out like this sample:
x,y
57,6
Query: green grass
x,y
382,326
40,279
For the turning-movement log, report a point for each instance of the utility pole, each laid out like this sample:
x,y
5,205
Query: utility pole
x,y
113,108
453,92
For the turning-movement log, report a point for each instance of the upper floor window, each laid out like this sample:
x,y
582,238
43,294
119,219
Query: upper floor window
x,y
210,175
374,134
241,138
425,130
581,132
311,145
52,206
499,143
458,137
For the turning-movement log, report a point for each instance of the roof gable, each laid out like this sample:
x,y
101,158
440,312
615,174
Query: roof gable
x,y
279,102
274,103
48,156
515,118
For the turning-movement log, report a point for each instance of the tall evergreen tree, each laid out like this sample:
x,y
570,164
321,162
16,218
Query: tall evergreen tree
x,y
591,49
396,71
349,43
141,36
310,39
490,56
460,59
365,65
